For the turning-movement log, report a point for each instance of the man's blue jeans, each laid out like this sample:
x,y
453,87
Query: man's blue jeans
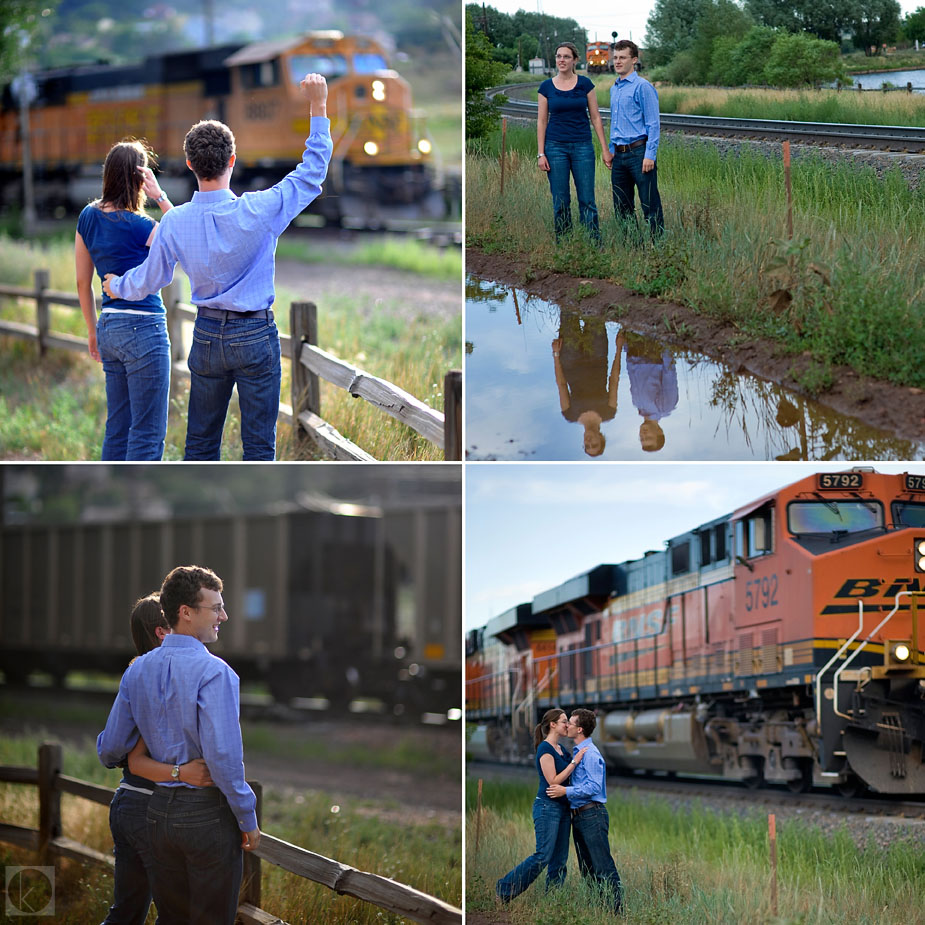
x,y
575,158
132,850
626,177
551,821
135,351
238,351
590,831
198,863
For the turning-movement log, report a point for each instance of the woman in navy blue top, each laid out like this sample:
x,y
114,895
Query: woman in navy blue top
x,y
564,146
130,338
551,818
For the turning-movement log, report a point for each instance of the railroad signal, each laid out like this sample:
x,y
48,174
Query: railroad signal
x,y
918,550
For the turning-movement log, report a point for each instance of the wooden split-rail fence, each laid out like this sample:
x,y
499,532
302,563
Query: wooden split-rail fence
x,y
50,843
309,364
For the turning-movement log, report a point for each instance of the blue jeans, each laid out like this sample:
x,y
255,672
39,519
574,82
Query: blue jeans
x,y
590,831
132,850
198,863
575,158
626,176
242,352
551,821
135,351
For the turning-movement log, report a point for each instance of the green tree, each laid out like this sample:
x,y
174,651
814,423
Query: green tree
x,y
749,57
719,19
672,27
800,60
876,22
482,72
914,25
868,21
19,21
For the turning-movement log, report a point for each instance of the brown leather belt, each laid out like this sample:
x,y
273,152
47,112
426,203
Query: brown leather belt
x,y
622,149
221,314
589,805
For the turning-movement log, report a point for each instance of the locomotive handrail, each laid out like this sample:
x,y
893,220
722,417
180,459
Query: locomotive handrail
x,y
829,664
858,650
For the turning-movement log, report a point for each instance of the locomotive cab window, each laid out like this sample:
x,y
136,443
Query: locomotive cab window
x,y
328,66
260,74
681,558
755,534
908,514
369,63
831,516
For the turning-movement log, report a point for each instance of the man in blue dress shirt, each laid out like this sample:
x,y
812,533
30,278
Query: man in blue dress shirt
x,y
587,796
634,135
184,702
227,246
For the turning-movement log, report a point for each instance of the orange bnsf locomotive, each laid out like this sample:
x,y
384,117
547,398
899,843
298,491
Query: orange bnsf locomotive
x,y
383,161
599,57
781,643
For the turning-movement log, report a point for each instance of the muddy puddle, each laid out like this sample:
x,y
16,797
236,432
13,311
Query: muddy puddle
x,y
544,383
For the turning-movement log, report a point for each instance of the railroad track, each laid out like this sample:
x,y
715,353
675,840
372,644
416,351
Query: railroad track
x,y
893,138
694,788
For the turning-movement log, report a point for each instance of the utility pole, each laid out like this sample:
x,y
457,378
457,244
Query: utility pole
x,y
25,90
209,16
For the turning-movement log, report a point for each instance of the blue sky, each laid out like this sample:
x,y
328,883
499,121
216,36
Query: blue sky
x,y
531,526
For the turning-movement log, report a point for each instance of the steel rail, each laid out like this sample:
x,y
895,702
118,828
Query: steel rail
x,y
883,137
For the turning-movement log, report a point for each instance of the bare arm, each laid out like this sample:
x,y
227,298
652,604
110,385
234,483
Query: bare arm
x,y
542,120
615,371
83,265
194,772
315,89
565,400
549,772
594,110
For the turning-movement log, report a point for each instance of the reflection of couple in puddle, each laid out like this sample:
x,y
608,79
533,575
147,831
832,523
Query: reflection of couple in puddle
x,y
586,393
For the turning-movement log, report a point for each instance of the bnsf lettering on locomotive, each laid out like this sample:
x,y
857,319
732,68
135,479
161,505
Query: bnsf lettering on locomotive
x,y
643,624
860,587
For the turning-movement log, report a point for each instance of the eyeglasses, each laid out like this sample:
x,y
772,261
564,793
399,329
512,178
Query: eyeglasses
x,y
217,609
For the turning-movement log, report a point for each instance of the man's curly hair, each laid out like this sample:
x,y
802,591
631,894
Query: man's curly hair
x,y
183,586
208,147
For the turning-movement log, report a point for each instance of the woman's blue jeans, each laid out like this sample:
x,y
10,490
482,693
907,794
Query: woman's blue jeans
x,y
575,158
553,824
134,860
135,351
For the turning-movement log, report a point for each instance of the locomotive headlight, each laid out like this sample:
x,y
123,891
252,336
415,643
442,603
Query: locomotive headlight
x,y
424,146
378,90
901,652
371,148
918,551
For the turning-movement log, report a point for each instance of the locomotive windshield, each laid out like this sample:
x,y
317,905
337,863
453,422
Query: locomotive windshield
x,y
329,66
369,63
831,516
908,514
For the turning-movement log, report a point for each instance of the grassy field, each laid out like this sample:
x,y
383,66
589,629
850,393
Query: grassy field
x,y
55,408
695,868
848,287
422,854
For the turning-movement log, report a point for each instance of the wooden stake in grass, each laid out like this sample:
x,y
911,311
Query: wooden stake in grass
x,y
503,146
478,821
789,190
772,838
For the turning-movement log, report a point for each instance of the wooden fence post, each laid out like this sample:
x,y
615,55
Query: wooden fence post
x,y
306,389
250,882
49,799
42,308
452,415
171,295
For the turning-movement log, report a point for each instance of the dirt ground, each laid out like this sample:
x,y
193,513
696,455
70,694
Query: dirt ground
x,y
896,409
370,287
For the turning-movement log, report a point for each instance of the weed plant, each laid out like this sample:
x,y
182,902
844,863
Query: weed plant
x,y
696,867
367,836
854,268
55,408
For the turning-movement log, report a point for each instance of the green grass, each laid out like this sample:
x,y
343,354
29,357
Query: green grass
x,y
375,836
697,867
855,267
55,408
